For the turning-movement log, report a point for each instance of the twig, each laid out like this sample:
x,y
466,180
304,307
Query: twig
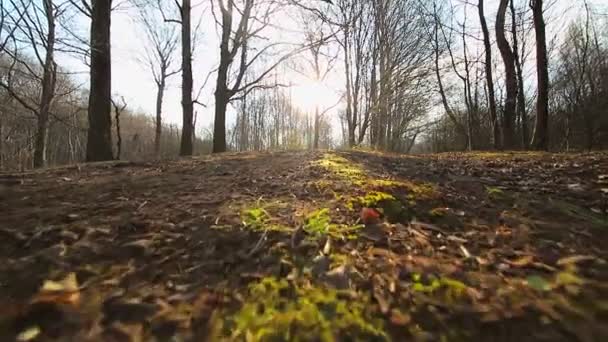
x,y
258,245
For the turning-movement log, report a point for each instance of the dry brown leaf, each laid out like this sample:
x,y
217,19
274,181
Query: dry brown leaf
x,y
65,291
523,261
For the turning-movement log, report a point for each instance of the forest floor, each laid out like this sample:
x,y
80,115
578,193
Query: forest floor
x,y
288,246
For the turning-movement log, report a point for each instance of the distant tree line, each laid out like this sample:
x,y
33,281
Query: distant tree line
x,y
539,92
417,76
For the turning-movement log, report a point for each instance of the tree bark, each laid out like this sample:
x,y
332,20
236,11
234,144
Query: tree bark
x,y
159,108
489,76
99,140
521,96
317,125
48,88
510,77
351,119
541,133
186,146
1,140
222,93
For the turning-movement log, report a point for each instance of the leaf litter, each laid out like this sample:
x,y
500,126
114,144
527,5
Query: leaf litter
x,y
309,246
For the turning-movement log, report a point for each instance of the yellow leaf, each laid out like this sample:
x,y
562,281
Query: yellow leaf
x,y
69,283
575,259
65,291
567,278
29,334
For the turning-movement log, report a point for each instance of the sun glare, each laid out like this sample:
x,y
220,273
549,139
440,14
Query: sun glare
x,y
308,95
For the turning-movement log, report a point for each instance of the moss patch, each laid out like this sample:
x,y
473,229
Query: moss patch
x,y
258,217
276,310
318,223
342,167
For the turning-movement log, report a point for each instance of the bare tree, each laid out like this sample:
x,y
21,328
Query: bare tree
x,y
235,41
489,77
99,141
186,147
541,138
118,109
162,41
521,96
321,62
36,29
508,57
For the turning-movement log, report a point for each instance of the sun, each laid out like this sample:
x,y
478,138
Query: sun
x,y
308,95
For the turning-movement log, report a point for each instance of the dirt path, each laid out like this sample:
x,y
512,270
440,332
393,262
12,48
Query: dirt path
x,y
272,245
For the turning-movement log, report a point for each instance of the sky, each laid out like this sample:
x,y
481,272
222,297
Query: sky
x,y
132,80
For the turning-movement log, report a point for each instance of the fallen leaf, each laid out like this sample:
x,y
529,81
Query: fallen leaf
x,y
465,252
327,247
575,259
568,278
65,291
400,318
538,283
524,261
29,334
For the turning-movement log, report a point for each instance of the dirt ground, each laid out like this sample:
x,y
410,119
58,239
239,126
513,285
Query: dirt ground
x,y
308,246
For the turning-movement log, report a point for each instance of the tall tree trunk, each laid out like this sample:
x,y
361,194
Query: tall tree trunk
x,y
222,93
219,126
317,124
351,119
508,58
541,132
1,140
186,146
159,109
521,96
48,88
99,140
489,76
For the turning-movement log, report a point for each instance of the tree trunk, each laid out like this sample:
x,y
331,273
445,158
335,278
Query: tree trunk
x,y
48,89
489,76
222,93
118,134
511,79
219,125
159,108
541,133
99,140
316,129
186,147
1,140
351,119
521,96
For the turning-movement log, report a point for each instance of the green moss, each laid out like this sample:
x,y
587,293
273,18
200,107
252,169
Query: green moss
x,y
342,167
438,212
494,192
580,213
416,190
318,223
447,288
372,199
258,218
276,310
